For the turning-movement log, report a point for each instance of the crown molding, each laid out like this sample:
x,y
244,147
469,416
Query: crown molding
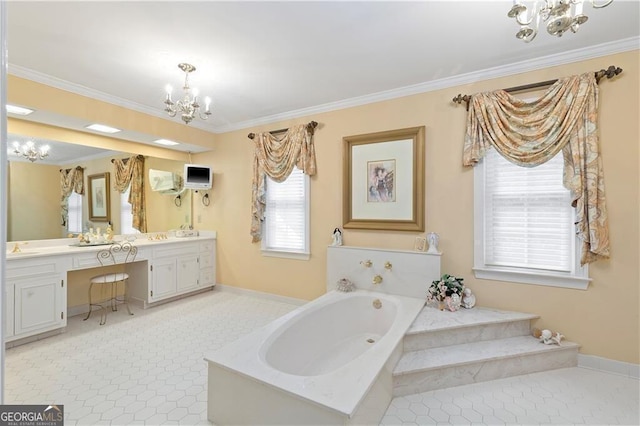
x,y
576,55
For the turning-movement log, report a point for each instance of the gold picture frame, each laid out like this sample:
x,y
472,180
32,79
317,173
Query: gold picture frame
x,y
383,182
99,197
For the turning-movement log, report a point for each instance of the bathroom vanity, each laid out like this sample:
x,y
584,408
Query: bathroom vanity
x,y
37,277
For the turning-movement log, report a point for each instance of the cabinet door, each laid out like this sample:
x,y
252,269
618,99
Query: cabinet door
x,y
188,273
37,304
163,279
9,298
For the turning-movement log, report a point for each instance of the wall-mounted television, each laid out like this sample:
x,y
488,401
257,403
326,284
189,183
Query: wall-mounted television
x,y
197,176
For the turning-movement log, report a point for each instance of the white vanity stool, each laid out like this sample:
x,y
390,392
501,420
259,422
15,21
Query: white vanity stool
x,y
116,255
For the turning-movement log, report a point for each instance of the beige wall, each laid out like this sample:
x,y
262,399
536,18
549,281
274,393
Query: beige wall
x,y
603,319
35,188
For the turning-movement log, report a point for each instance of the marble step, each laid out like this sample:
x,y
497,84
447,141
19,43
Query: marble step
x,y
443,367
435,328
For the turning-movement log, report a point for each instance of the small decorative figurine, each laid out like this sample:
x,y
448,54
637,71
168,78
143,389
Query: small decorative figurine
x,y
337,237
109,233
345,285
468,299
548,337
432,239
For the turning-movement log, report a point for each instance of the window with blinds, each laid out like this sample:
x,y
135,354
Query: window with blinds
x,y
126,215
286,224
74,222
528,215
524,221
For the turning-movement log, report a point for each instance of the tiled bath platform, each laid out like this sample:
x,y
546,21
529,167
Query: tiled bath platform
x,y
445,349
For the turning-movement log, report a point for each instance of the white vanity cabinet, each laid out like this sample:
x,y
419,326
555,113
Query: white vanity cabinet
x,y
176,269
36,296
36,278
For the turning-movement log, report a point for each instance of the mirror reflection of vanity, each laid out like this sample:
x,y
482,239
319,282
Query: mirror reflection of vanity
x,y
34,211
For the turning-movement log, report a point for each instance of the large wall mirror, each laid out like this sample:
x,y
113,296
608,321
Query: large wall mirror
x,y
34,194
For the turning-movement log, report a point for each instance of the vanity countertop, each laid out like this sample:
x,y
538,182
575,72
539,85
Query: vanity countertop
x,y
64,246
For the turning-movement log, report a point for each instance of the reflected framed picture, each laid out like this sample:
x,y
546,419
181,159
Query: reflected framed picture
x,y
99,197
383,183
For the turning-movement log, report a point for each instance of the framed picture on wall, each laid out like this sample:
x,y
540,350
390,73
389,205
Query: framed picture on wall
x,y
99,197
383,183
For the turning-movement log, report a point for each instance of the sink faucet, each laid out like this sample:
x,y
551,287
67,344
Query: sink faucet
x,y
16,248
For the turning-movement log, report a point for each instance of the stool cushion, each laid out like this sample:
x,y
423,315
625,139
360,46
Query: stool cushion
x,y
109,278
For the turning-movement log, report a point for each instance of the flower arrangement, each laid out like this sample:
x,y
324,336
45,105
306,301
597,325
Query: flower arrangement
x,y
447,289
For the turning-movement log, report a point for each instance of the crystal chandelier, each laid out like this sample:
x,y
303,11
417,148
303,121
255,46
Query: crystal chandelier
x,y
188,107
30,152
560,16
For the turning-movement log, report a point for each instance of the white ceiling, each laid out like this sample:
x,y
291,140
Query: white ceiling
x,y
266,61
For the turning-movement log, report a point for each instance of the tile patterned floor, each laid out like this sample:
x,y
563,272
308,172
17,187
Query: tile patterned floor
x,y
148,369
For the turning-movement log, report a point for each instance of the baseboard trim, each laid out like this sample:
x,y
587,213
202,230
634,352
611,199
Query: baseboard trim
x,y
261,294
593,362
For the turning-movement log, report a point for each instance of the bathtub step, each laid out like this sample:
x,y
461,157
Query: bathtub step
x,y
455,365
434,328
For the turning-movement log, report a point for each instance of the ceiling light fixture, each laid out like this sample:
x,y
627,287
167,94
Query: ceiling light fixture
x,y
15,109
166,142
30,152
187,106
102,128
560,15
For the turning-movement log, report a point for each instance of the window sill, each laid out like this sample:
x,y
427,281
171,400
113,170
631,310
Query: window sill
x,y
523,277
286,254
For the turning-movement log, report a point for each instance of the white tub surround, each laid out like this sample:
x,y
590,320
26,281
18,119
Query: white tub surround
x,y
37,277
330,361
405,273
315,365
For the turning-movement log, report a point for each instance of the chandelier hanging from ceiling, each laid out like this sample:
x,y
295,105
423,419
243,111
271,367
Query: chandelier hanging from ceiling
x,y
29,151
560,16
188,106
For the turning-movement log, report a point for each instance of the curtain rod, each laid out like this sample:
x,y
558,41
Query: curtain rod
x,y
124,160
311,127
77,167
610,72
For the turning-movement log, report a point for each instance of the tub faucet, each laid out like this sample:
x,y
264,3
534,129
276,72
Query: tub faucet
x,y
377,279
16,248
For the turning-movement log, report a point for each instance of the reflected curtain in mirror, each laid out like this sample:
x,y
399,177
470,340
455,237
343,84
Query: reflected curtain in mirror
x,y
71,180
130,171
529,133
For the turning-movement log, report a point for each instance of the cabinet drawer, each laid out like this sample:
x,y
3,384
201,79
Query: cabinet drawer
x,y
31,267
174,251
207,277
207,246
206,260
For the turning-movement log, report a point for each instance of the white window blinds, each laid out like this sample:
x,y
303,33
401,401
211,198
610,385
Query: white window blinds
x,y
528,218
74,222
285,226
126,214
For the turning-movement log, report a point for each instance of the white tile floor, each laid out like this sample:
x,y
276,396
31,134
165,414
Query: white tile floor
x,y
149,369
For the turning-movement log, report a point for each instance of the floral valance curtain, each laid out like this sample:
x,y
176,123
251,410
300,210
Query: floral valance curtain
x,y
275,156
71,180
530,133
130,171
